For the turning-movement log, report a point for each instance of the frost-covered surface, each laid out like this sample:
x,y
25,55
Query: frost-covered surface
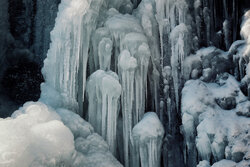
x,y
147,141
36,135
210,111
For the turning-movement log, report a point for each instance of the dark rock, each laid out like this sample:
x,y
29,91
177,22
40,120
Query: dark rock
x,y
226,103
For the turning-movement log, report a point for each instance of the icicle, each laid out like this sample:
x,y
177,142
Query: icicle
x,y
103,91
147,141
127,66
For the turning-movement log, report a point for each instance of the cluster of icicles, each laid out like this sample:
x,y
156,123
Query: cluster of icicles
x,y
116,54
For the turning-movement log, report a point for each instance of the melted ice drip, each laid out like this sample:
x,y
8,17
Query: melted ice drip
x,y
103,91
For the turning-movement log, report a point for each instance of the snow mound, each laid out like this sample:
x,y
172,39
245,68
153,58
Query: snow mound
x,y
34,135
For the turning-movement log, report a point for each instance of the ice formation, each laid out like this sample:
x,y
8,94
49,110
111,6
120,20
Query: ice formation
x,y
147,141
148,45
103,91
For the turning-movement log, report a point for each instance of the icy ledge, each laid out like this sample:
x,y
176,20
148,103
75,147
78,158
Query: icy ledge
x,y
36,135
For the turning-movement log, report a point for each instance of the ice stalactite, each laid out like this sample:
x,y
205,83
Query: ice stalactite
x,y
146,14
136,43
89,23
147,140
127,66
120,25
142,57
103,92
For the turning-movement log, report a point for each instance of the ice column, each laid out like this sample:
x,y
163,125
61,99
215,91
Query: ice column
x,y
103,92
179,52
147,141
126,68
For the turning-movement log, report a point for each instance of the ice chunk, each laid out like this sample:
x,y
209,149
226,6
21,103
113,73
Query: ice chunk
x,y
147,141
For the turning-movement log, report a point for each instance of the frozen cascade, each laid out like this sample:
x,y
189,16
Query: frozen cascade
x,y
103,92
147,141
62,63
65,69
127,66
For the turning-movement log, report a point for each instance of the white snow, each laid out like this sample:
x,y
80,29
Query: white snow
x,y
36,135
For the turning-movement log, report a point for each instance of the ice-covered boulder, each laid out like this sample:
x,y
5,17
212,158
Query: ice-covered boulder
x,y
220,131
147,141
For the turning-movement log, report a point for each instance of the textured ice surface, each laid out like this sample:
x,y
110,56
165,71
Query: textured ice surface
x,y
147,141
